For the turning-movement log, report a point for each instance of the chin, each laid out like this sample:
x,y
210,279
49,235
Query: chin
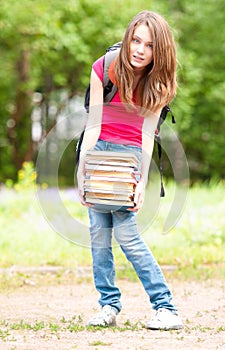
x,y
137,65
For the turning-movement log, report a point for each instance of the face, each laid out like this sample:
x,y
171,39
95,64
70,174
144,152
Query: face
x,y
141,47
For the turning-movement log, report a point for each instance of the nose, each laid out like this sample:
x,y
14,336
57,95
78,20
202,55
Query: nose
x,y
140,48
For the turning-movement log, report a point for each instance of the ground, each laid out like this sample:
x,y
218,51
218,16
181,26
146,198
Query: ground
x,y
52,316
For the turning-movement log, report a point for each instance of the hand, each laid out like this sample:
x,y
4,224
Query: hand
x,y
80,182
138,196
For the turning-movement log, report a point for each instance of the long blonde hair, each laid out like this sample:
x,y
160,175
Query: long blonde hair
x,y
157,86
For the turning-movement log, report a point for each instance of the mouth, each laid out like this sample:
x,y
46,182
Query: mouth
x,y
138,59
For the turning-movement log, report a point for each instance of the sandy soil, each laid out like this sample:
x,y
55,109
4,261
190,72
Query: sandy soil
x,y
55,308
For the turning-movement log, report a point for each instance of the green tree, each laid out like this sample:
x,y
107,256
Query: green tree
x,y
200,104
48,46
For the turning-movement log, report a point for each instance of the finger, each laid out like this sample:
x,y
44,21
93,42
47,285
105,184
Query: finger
x,y
134,210
137,198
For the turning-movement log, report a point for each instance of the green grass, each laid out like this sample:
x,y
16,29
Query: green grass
x,y
195,245
73,325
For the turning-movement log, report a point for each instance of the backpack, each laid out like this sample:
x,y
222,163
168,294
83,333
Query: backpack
x,y
109,92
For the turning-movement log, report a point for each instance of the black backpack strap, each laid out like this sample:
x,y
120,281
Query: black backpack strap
x,y
78,147
114,47
162,190
109,91
162,118
87,98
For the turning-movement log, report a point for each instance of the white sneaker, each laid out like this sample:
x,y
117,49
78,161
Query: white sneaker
x,y
106,317
165,319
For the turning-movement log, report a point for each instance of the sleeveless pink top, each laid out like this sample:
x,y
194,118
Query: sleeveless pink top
x,y
119,125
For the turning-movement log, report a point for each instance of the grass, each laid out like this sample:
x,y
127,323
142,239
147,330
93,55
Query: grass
x,y
73,325
195,246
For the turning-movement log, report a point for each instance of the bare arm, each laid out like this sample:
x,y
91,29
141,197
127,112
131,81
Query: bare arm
x,y
92,129
148,132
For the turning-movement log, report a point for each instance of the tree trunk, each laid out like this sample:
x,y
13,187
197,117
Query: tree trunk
x,y
19,126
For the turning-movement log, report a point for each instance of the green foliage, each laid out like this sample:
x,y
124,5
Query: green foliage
x,y
49,46
200,102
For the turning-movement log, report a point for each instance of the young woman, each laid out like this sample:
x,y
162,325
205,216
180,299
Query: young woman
x,y
144,73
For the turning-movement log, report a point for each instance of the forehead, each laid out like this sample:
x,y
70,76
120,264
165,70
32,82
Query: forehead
x,y
143,32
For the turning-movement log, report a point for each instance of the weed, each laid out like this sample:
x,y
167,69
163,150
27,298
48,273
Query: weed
x,y
181,338
220,329
95,329
38,326
199,314
4,334
99,342
75,327
63,320
202,329
54,327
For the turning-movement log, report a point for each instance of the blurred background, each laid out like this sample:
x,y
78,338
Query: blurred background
x,y
47,49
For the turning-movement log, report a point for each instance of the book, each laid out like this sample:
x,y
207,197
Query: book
x,y
112,173
112,186
109,167
115,158
103,190
114,203
113,178
110,178
108,195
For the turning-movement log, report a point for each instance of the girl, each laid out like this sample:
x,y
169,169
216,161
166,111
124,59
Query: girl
x,y
144,73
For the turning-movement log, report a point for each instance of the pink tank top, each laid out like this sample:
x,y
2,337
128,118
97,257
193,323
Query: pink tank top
x,y
119,125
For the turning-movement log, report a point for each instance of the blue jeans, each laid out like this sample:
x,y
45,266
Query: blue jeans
x,y
123,224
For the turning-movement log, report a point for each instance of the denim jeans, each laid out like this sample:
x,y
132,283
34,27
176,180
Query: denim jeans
x,y
123,224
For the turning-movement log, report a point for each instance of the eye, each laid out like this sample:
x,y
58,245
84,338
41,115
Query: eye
x,y
150,46
135,40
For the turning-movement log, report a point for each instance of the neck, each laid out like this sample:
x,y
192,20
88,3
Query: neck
x,y
140,71
137,76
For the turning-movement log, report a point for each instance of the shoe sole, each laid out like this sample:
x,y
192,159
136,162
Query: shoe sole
x,y
173,328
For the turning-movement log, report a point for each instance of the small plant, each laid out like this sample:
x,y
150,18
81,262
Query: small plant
x,y
20,325
54,327
74,325
37,326
100,343
26,177
4,334
220,329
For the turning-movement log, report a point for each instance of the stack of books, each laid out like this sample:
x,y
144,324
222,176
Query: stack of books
x,y
110,178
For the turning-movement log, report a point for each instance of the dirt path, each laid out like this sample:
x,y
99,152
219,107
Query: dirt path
x,y
53,318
